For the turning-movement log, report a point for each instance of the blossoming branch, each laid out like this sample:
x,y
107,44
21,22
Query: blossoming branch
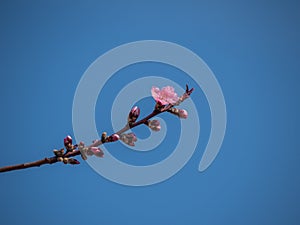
x,y
165,101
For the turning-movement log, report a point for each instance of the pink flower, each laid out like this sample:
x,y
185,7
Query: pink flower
x,y
182,113
164,96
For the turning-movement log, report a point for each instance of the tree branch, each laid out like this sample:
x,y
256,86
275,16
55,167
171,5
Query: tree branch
x,y
158,109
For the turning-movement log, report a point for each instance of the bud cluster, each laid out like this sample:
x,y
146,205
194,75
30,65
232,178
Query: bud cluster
x,y
61,157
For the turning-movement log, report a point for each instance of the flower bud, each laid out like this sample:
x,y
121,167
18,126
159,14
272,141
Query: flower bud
x,y
83,155
73,161
58,152
82,150
103,137
154,125
96,151
128,139
113,138
68,143
81,146
68,140
59,159
182,113
133,114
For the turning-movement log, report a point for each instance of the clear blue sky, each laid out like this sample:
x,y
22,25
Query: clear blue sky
x,y
251,46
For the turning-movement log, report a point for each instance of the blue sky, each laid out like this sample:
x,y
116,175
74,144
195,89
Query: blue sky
x,y
251,46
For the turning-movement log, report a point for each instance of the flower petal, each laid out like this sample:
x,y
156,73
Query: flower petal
x,y
155,93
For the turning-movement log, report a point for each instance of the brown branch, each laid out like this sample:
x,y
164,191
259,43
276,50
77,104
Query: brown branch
x,y
73,153
38,163
27,165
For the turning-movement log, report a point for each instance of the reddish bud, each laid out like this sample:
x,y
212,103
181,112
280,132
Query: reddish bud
x,y
68,140
114,137
133,114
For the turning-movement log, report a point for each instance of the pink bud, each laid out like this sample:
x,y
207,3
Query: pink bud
x,y
97,151
94,149
182,113
114,137
133,114
67,140
135,111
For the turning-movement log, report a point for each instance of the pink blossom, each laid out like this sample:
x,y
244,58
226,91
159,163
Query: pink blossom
x,y
164,96
182,113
